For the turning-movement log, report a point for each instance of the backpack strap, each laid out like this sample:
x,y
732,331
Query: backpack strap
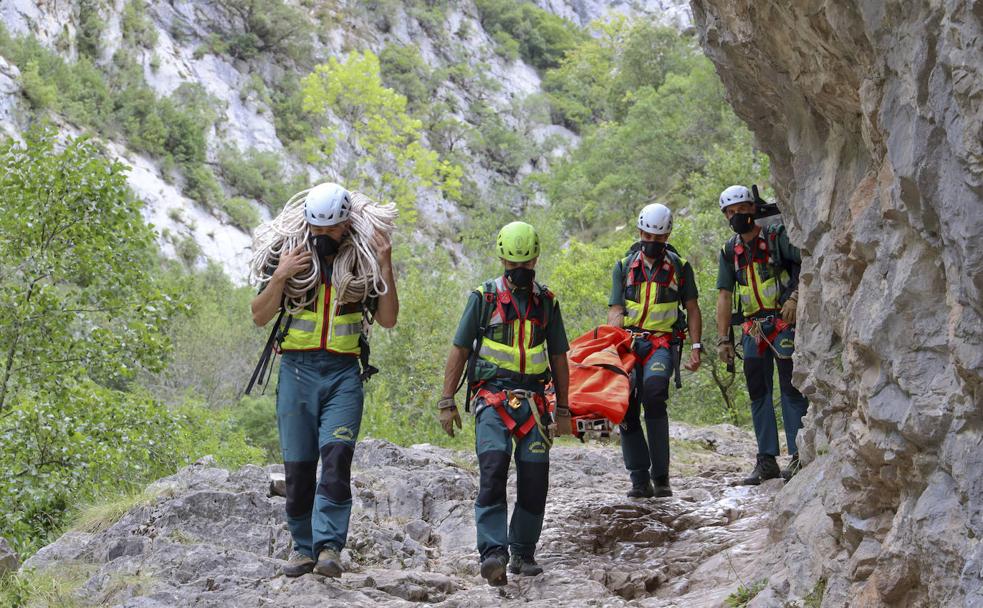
x,y
487,303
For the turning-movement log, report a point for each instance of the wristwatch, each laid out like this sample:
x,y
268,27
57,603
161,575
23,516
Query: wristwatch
x,y
697,346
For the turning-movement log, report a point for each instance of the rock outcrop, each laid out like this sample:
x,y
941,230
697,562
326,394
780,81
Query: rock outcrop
x,y
872,114
8,558
214,538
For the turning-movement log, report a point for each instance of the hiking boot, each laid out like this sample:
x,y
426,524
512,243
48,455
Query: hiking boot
x,y
641,490
328,563
793,468
765,469
525,565
493,569
662,489
298,564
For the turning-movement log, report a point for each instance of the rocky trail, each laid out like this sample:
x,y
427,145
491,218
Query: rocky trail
x,y
210,537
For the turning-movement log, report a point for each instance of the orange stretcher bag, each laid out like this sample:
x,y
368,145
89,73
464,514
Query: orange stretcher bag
x,y
601,363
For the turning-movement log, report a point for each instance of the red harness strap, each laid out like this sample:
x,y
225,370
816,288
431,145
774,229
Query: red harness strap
x,y
780,326
658,341
498,400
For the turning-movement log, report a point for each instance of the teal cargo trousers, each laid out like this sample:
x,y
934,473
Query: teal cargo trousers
x,y
319,412
493,444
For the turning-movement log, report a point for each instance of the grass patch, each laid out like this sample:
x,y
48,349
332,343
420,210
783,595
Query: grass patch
x,y
744,594
815,597
99,517
50,589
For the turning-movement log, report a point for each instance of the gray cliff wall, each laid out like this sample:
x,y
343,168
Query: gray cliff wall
x,y
871,113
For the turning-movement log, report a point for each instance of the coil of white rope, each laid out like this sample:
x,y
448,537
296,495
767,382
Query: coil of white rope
x,y
355,274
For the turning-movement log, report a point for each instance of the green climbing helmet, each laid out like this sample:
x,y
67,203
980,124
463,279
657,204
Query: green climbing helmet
x,y
518,242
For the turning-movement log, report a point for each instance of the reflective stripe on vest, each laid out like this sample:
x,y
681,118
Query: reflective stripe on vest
x,y
308,329
522,357
759,294
648,313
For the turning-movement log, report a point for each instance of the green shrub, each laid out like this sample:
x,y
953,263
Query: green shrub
x,y
42,94
138,29
241,212
202,186
260,175
403,69
539,37
188,250
91,27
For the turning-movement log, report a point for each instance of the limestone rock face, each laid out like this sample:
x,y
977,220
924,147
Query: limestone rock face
x,y
872,114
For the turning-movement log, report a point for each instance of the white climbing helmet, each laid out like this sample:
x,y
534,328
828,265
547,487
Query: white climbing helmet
x,y
734,195
327,204
655,219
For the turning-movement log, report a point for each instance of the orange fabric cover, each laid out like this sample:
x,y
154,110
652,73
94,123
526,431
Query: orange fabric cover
x,y
601,362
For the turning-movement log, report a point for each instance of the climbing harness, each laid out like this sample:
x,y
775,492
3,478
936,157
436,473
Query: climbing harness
x,y
512,399
755,329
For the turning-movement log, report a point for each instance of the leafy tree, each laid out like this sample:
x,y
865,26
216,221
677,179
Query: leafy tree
x,y
76,254
267,26
386,139
522,28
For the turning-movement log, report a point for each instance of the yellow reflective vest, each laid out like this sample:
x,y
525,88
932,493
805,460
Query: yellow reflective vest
x,y
326,325
516,340
760,276
652,295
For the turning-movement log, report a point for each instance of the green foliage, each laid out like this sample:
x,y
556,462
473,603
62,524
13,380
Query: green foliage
x,y
266,26
596,81
744,594
138,29
256,417
523,29
403,70
664,136
91,27
51,589
241,212
259,175
201,185
295,126
173,129
400,400
77,273
815,597
503,149
215,342
386,139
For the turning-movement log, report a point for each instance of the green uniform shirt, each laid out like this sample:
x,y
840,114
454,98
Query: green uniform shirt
x,y
688,290
727,278
467,329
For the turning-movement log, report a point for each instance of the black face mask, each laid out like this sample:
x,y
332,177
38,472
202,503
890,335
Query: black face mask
x,y
742,222
324,245
653,249
522,278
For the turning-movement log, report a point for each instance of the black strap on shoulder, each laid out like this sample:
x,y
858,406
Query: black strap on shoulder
x,y
487,304
266,358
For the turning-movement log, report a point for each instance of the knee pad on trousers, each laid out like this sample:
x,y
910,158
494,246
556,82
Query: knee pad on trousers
x,y
533,482
336,472
655,392
300,478
494,467
754,374
785,378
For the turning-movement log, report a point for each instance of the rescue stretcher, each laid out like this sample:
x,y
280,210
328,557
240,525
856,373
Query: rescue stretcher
x,y
601,362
